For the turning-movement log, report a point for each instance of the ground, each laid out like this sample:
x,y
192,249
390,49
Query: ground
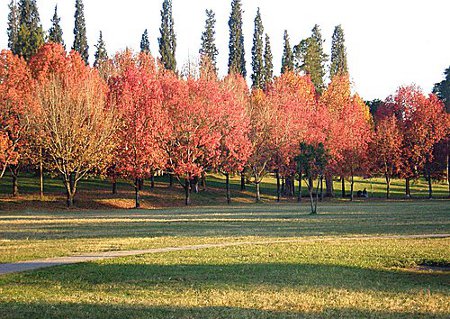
x,y
337,269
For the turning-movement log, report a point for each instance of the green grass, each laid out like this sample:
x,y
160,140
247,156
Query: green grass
x,y
324,276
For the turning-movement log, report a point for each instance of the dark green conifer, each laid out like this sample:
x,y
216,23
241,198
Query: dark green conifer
x,y
287,61
167,41
30,36
55,34
145,42
80,43
236,60
257,54
442,89
208,38
13,26
268,63
338,53
101,55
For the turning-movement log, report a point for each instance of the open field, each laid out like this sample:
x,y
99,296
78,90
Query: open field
x,y
327,275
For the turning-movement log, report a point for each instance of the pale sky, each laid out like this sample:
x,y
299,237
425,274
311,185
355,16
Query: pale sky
x,y
389,42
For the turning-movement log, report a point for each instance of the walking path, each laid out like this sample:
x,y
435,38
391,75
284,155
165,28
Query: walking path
x,y
58,261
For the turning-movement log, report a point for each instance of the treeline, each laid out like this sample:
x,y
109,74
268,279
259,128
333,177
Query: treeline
x,y
132,117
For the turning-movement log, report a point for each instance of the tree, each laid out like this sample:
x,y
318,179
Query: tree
x,y
236,59
442,89
80,43
77,127
101,55
287,62
16,107
31,36
145,43
312,160
268,63
167,41
208,47
311,59
338,53
257,54
234,125
55,34
423,123
13,27
137,95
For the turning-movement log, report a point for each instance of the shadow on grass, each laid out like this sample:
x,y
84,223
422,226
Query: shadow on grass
x,y
10,310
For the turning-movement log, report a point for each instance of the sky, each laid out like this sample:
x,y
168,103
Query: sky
x,y
389,42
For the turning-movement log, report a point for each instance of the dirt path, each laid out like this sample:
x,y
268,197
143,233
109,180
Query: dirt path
x,y
58,261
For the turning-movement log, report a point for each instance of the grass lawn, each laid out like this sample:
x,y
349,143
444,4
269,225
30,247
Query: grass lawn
x,y
327,276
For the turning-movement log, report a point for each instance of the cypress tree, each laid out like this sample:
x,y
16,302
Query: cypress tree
x,y
268,63
101,55
338,53
311,59
145,43
257,54
442,89
55,33
287,61
13,26
236,60
167,41
30,36
208,38
80,43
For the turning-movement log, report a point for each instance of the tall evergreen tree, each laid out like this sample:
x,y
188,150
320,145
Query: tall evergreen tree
x,y
101,55
236,60
80,43
13,26
55,33
338,53
145,42
287,61
257,54
30,36
311,59
268,63
208,38
442,89
167,41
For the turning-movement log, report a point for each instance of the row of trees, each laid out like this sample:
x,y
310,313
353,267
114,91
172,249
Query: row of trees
x,y
131,117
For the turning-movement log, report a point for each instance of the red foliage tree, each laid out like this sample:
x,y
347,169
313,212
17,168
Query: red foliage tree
x,y
137,95
423,123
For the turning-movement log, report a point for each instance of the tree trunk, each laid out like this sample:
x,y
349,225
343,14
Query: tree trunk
x,y
114,187
141,183
321,188
242,181
329,185
277,173
15,185
170,180
258,194
407,188
430,186
299,198
227,183
388,186
187,192
152,180
317,196
70,190
343,186
41,175
352,183
136,193
203,181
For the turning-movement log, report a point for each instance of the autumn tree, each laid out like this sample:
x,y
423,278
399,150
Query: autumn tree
x,y
55,34
257,54
236,59
208,46
137,95
77,127
167,41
